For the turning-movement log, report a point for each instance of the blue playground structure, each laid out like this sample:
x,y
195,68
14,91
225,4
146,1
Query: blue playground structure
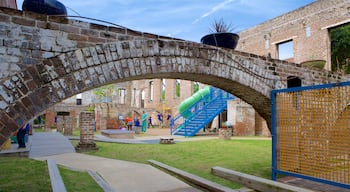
x,y
198,110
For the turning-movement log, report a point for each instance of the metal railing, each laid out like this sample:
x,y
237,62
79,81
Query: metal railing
x,y
180,123
311,133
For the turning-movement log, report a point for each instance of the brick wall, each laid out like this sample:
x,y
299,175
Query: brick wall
x,y
307,27
73,110
261,127
242,116
86,122
41,58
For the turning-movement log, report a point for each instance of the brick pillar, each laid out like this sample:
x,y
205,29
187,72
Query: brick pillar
x,y
50,120
65,125
86,123
68,128
60,124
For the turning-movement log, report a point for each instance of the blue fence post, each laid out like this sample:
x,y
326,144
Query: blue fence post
x,y
171,126
273,134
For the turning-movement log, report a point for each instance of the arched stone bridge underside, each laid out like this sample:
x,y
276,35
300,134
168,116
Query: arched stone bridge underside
x,y
43,82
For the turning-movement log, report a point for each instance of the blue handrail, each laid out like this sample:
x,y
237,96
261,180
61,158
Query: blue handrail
x,y
200,108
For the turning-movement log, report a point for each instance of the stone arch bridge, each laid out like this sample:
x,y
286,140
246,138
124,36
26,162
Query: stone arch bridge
x,y
46,59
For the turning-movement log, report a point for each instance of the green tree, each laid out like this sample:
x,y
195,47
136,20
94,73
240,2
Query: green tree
x,y
178,88
104,91
195,87
340,46
163,95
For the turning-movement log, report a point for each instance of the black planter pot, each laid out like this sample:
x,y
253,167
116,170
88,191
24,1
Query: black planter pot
x,y
225,40
47,7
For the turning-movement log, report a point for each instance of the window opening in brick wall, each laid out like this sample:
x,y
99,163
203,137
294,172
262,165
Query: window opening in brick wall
x,y
286,51
122,95
151,90
177,88
79,98
267,40
340,48
142,98
134,97
163,90
308,31
267,44
195,87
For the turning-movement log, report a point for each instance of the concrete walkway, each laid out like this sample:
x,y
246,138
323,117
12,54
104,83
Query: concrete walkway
x,y
49,143
120,175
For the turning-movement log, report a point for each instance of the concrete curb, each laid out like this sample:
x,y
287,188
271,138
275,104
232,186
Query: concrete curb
x,y
100,181
256,183
204,183
55,177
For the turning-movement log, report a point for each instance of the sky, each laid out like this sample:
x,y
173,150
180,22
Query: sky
x,y
184,19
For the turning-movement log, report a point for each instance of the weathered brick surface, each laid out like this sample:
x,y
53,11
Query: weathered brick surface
x,y
86,123
50,119
225,133
45,60
318,17
65,124
23,21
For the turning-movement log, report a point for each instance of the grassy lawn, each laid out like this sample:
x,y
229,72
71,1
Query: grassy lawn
x,y
23,174
197,157
37,130
78,181
76,132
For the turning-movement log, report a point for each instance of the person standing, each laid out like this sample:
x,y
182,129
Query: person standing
x,y
128,121
144,122
150,122
20,136
27,128
168,117
137,122
160,119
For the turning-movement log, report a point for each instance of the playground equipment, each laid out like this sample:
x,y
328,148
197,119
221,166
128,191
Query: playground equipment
x,y
187,103
198,110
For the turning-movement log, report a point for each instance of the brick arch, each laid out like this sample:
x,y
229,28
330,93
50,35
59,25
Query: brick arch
x,y
39,86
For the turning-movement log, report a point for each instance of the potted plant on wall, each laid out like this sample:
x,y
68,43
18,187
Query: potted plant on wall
x,y
221,35
47,7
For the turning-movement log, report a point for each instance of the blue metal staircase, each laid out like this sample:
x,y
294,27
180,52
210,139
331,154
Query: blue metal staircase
x,y
201,113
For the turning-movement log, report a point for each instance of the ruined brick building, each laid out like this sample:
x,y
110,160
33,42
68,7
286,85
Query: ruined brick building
x,y
305,30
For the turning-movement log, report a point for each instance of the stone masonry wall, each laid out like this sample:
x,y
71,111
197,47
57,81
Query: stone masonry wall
x,y
53,58
26,38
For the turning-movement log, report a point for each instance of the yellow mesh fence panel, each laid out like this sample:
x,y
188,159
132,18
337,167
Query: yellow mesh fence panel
x,y
313,133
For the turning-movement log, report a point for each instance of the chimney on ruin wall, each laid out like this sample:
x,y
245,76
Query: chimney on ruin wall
x,y
8,3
